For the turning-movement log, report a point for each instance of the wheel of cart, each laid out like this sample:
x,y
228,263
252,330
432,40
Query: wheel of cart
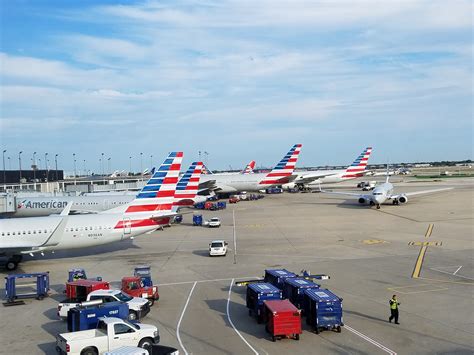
x,y
297,337
338,329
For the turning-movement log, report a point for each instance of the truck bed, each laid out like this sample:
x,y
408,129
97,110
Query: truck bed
x,y
83,335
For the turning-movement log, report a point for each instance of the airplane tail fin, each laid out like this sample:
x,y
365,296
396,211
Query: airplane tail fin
x,y
357,168
281,173
158,193
205,170
188,185
249,168
388,175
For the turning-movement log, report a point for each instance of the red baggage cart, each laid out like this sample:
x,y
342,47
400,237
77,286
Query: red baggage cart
x,y
283,319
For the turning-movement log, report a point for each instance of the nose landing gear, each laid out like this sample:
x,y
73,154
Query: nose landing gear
x,y
12,262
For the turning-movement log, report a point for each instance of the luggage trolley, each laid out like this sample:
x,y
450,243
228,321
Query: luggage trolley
x,y
37,289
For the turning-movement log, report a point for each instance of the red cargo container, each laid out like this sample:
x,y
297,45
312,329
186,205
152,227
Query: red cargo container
x,y
77,291
283,319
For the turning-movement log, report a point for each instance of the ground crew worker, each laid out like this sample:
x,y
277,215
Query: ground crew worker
x,y
394,309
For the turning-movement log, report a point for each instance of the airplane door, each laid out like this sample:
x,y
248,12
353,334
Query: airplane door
x,y
127,227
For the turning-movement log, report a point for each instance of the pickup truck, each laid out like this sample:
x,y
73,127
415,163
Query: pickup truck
x,y
112,333
138,307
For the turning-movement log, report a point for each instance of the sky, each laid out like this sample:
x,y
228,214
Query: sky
x,y
240,80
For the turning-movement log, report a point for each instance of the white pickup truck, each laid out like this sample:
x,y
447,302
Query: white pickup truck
x,y
112,333
138,307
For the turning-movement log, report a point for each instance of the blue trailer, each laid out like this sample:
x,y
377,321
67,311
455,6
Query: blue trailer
x,y
277,277
197,220
259,292
199,205
144,273
221,205
87,316
323,310
37,288
294,290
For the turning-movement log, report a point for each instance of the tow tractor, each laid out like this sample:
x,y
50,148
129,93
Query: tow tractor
x,y
141,284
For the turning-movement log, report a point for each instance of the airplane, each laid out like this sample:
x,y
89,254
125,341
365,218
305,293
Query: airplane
x,y
151,209
93,203
249,168
382,194
312,179
280,174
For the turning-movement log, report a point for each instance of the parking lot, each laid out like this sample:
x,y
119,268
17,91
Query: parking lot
x,y
369,255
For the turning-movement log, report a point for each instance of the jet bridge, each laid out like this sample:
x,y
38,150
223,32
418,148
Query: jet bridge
x,y
7,203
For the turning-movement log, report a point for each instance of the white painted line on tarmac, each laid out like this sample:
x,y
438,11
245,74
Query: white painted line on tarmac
x,y
232,324
372,341
459,268
448,273
210,280
181,318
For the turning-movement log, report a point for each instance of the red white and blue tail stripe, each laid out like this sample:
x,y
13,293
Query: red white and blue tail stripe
x,y
357,168
158,193
284,169
249,168
188,185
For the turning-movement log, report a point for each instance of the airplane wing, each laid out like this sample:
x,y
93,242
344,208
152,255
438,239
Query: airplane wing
x,y
415,193
207,185
309,178
354,195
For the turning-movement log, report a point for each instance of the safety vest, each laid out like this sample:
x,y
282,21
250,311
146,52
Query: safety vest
x,y
393,304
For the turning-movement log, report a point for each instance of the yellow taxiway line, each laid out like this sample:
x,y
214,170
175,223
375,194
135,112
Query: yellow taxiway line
x,y
421,255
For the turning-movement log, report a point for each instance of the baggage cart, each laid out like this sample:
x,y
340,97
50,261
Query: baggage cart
x,y
294,290
144,273
197,220
33,285
277,277
323,310
87,315
283,319
257,293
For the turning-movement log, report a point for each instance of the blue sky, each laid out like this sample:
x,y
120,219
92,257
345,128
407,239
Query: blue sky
x,y
240,80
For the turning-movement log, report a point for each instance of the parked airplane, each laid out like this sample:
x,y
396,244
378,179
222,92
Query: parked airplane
x,y
312,179
91,203
151,209
281,174
382,194
249,168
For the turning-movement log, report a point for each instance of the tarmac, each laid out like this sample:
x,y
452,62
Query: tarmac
x,y
369,255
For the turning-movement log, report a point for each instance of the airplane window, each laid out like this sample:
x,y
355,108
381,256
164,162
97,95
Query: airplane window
x,y
45,231
13,233
86,228
77,229
29,232
8,233
34,232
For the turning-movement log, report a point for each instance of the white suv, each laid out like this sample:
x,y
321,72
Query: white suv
x,y
218,247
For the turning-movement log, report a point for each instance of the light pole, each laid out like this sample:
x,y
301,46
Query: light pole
x,y
33,165
74,161
129,166
56,164
108,166
85,170
4,172
19,163
151,161
102,163
46,161
141,163
9,163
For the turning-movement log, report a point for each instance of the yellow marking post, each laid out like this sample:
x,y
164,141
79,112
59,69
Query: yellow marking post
x,y
421,255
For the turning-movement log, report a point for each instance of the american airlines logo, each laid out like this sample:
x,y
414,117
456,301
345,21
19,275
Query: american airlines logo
x,y
43,204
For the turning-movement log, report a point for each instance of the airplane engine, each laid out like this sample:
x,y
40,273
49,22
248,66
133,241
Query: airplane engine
x,y
403,199
362,200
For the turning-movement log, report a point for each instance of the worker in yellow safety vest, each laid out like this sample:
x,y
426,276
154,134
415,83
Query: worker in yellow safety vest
x,y
394,309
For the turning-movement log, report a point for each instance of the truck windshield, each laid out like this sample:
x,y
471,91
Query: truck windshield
x,y
123,297
133,325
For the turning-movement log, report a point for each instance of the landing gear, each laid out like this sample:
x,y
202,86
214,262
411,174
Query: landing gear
x,y
395,202
12,262
378,206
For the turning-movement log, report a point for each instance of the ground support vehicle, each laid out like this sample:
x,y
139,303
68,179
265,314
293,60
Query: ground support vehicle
x,y
111,333
277,277
128,350
87,315
294,290
197,220
77,292
274,190
221,205
199,205
36,286
133,286
283,319
323,310
233,199
138,307
257,293
218,248
214,222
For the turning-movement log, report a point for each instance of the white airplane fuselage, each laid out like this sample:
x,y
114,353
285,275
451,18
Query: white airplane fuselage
x,y
237,182
382,193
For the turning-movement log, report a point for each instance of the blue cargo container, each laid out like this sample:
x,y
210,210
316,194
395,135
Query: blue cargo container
x,y
294,290
259,292
221,205
277,277
197,220
199,205
323,310
87,317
